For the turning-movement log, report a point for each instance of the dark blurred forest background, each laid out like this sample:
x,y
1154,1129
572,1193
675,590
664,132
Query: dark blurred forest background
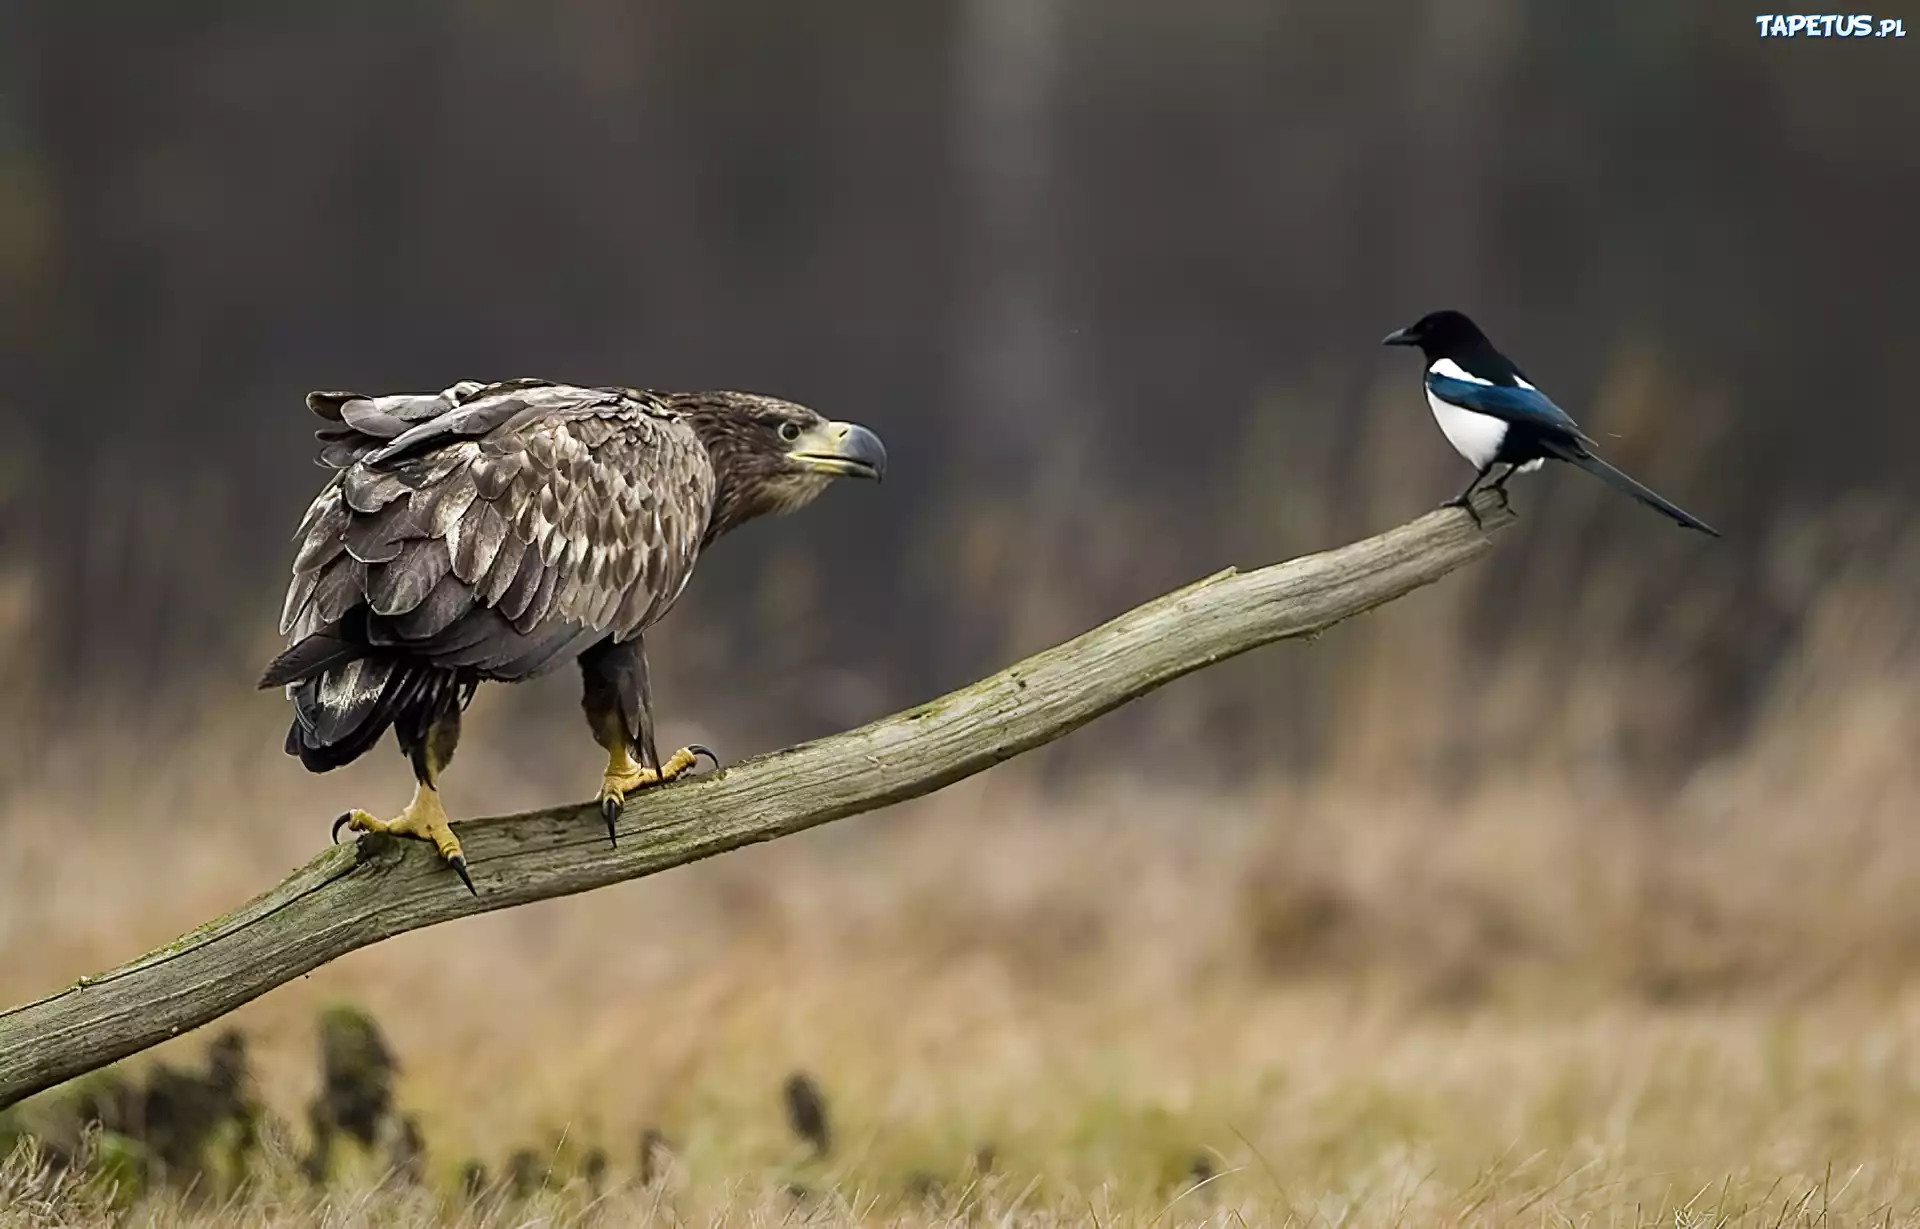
x,y
1107,275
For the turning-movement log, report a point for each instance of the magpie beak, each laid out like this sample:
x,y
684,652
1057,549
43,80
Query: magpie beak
x,y
1400,337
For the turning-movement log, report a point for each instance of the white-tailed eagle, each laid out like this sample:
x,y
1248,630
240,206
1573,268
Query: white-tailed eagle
x,y
495,531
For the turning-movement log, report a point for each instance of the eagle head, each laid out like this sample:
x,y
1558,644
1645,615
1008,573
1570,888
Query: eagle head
x,y
772,456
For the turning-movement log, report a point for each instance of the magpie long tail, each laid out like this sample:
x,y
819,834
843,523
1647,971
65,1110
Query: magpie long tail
x,y
1576,455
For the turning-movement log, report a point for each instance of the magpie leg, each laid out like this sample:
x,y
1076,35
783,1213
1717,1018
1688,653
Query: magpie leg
x,y
1499,486
1465,498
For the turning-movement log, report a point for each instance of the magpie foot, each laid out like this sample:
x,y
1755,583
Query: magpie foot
x,y
1465,504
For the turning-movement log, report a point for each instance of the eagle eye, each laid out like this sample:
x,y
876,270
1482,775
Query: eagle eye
x,y
789,431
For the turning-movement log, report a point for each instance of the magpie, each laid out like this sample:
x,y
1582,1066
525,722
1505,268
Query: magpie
x,y
1493,415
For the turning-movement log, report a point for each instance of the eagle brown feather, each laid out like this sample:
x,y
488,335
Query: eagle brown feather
x,y
495,530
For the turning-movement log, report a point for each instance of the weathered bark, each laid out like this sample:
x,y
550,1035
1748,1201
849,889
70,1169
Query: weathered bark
x,y
354,895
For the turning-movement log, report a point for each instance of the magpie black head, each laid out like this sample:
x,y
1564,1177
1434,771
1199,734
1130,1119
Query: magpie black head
x,y
1447,334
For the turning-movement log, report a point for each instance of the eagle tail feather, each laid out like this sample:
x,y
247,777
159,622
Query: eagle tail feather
x,y
311,657
340,713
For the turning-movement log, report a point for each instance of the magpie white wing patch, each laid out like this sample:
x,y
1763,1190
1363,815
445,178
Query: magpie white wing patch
x,y
1477,437
1454,371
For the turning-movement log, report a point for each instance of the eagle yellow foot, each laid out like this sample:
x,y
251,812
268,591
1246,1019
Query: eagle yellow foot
x,y
625,775
424,819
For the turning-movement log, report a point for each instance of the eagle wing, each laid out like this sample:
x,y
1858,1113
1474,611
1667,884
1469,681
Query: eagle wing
x,y
497,529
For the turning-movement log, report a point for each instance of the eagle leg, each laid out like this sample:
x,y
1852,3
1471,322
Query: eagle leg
x,y
625,775
424,819
618,701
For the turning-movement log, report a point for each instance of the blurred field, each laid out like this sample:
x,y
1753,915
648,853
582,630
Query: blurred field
x,y
1357,996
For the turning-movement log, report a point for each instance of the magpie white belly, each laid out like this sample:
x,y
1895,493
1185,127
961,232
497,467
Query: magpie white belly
x,y
1477,437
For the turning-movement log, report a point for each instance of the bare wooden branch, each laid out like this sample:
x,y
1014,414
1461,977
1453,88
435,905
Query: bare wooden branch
x,y
354,895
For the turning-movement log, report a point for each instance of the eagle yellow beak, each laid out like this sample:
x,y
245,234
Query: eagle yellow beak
x,y
843,449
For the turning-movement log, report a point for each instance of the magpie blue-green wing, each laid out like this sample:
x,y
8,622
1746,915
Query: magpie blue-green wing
x,y
1556,434
1514,403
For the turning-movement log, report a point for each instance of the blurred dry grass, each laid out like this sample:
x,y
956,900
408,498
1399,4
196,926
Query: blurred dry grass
x,y
1354,998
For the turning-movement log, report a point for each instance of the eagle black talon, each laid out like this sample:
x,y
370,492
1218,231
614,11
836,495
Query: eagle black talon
x,y
699,751
346,817
459,865
610,811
